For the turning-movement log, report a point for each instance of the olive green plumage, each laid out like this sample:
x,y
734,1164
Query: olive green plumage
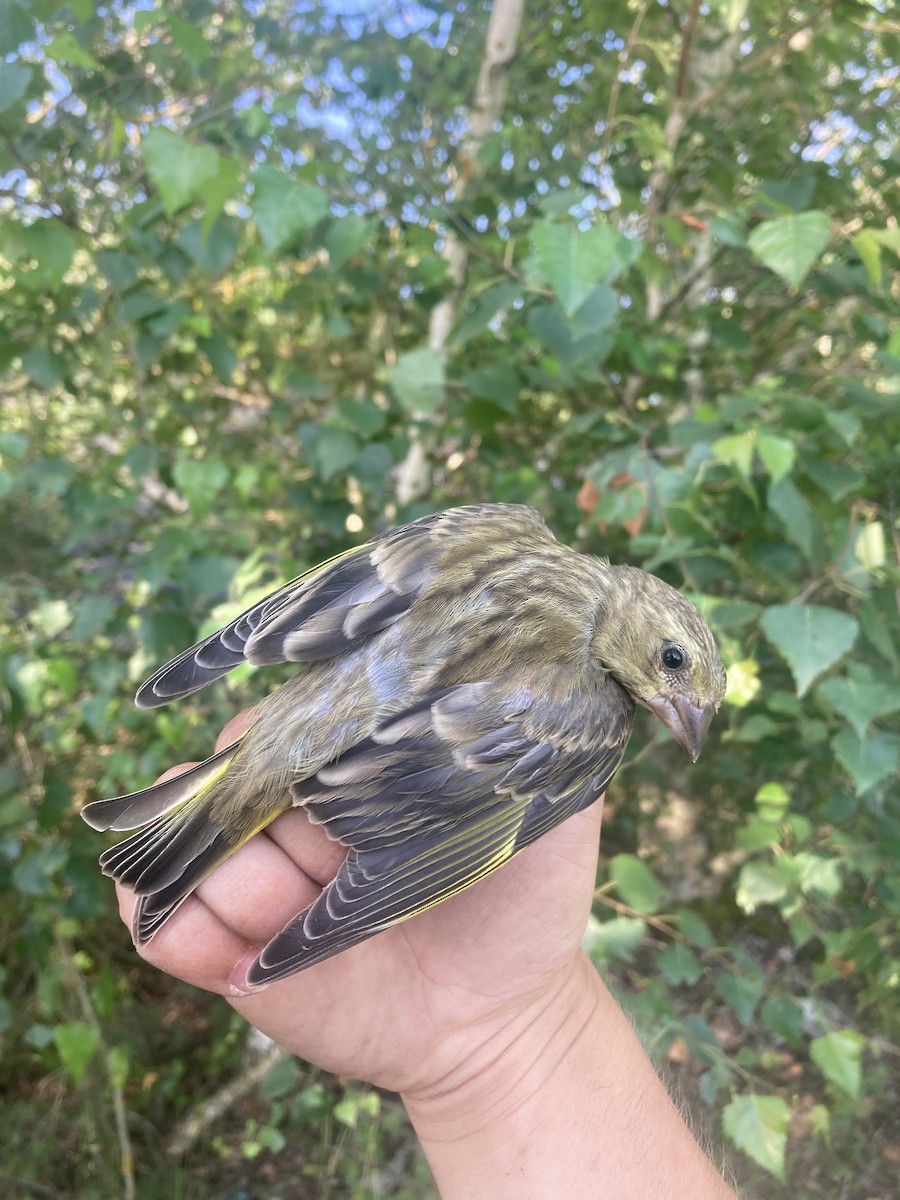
x,y
470,683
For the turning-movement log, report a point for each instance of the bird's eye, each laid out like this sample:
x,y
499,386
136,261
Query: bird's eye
x,y
673,658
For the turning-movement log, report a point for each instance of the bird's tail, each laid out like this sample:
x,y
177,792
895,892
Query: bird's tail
x,y
179,845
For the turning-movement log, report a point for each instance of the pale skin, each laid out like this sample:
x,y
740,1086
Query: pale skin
x,y
521,1075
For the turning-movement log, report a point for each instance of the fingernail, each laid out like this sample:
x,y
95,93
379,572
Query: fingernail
x,y
237,982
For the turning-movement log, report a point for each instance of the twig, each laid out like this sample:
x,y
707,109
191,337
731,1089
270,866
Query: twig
x,y
625,910
126,1154
621,63
208,1111
831,574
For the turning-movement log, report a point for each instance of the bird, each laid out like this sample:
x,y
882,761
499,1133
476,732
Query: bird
x,y
465,683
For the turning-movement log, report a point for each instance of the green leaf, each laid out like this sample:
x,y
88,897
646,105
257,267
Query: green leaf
x,y
635,883
548,325
789,505
214,249
92,615
373,466
417,380
877,631
777,454
363,416
13,444
219,190
760,883
77,1043
810,637
189,39
772,801
44,253
499,383
868,247
861,697
694,928
15,25
794,192
178,168
870,547
44,366
736,451
701,1040
119,268
846,425
51,617
138,305
838,1056
336,449
742,992
835,479
650,139
14,81
728,229
679,964
733,12
619,938
282,208
345,236
34,874
598,312
163,323
493,300
200,480
65,48
784,1016
790,245
758,1125
818,874
867,760
221,355
573,261
280,1079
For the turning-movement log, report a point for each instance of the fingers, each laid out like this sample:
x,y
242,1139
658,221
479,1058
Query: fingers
x,y
174,772
307,845
242,904
194,945
247,899
236,728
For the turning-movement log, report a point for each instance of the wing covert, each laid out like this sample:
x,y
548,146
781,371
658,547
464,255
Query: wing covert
x,y
359,592
442,795
317,615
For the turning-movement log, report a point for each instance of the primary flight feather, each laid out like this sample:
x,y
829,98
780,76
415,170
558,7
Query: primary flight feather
x,y
470,683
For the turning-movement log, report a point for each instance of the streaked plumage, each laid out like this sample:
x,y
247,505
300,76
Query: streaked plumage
x,y
470,683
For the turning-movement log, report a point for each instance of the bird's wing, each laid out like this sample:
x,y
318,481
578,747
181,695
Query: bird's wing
x,y
322,612
439,797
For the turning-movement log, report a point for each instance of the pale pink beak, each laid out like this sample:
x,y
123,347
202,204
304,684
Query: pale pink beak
x,y
687,721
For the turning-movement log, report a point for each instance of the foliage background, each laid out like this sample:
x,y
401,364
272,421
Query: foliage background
x,y
229,235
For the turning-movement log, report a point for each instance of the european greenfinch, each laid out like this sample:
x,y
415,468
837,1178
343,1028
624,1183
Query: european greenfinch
x,y
468,683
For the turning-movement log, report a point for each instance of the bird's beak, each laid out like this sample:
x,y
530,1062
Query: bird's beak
x,y
687,722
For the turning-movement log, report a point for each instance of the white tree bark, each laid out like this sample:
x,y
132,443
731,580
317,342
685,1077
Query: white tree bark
x,y
414,473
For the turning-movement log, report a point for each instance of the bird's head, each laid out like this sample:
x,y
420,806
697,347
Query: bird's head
x,y
660,649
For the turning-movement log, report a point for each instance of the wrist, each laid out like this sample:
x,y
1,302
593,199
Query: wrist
x,y
498,1068
560,1100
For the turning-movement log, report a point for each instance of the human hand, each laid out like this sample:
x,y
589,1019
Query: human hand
x,y
416,1008
522,1076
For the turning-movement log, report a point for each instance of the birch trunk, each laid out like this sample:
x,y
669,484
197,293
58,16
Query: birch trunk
x,y
414,473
